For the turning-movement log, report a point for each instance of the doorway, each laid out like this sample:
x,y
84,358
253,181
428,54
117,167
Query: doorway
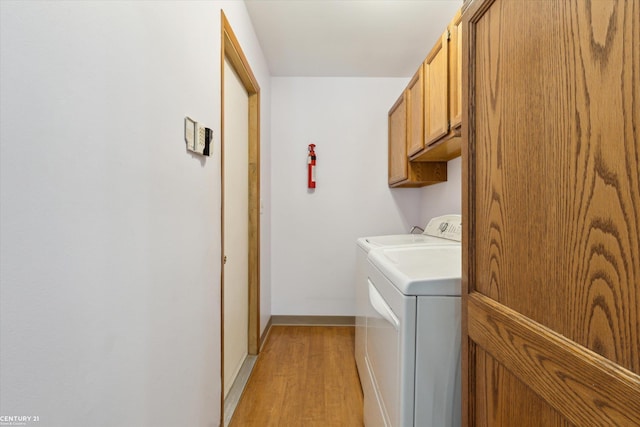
x,y
240,241
236,226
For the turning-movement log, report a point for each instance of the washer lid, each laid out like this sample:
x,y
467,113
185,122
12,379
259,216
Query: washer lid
x,y
422,270
405,239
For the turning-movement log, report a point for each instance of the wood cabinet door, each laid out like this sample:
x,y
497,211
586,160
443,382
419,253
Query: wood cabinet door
x,y
398,170
415,102
455,70
551,213
436,96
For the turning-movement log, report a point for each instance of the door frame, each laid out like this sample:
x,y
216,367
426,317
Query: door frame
x,y
230,50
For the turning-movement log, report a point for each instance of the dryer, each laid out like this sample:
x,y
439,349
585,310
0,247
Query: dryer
x,y
440,231
413,339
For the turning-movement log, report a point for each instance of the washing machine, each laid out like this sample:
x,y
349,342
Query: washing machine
x,y
440,231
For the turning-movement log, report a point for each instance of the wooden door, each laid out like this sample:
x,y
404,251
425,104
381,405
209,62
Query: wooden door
x,y
436,96
551,210
398,168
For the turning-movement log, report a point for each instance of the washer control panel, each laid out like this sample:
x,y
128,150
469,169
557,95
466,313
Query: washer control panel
x,y
446,227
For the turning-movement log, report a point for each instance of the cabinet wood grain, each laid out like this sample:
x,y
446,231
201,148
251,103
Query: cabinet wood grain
x,y
455,71
436,109
403,173
443,97
398,165
416,112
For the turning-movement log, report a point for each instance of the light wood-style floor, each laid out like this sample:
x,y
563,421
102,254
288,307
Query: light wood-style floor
x,y
304,376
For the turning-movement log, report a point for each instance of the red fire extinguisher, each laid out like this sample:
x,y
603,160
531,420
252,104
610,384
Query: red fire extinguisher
x,y
311,167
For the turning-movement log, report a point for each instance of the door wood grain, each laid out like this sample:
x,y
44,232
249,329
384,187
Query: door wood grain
x,y
551,246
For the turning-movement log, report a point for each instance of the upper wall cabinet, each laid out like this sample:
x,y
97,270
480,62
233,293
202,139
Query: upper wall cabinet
x,y
442,98
402,128
415,122
398,165
424,123
455,71
436,106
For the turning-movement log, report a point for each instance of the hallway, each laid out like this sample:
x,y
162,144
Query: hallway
x,y
305,375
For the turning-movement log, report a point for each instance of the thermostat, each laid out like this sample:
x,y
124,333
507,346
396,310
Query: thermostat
x,y
197,136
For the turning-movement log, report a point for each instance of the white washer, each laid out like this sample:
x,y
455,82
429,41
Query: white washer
x,y
438,232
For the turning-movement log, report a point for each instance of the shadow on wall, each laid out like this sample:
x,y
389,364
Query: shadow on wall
x,y
416,206
407,202
443,198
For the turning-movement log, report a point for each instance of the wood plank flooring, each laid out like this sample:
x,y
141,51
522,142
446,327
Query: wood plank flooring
x,y
304,376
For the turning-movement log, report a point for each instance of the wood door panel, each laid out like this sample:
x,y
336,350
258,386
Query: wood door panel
x,y
570,208
496,404
569,377
551,202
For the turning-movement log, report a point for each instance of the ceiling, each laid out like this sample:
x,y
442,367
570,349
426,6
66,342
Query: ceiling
x,y
348,38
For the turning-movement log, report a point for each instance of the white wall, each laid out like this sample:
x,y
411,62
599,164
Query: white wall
x,y
444,198
314,233
110,230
